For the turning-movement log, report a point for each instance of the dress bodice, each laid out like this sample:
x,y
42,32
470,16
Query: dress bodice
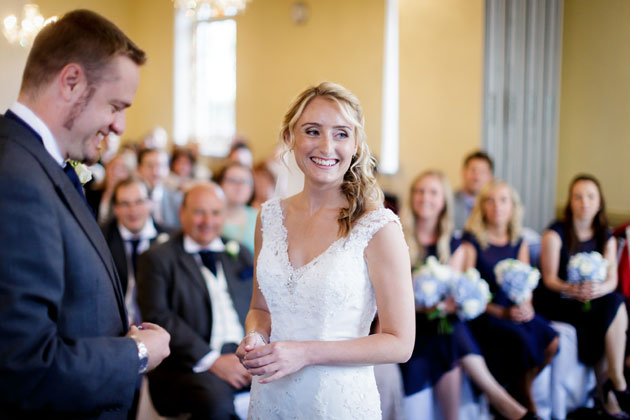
x,y
565,253
330,298
487,258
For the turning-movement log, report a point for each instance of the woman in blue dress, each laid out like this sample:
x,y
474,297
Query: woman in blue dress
x,y
515,341
438,359
600,330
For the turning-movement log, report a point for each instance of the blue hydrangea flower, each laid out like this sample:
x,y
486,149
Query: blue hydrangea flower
x,y
517,279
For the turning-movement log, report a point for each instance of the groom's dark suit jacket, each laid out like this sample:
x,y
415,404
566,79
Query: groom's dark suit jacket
x,y
62,316
172,293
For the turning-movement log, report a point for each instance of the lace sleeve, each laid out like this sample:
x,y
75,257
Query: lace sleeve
x,y
271,223
370,223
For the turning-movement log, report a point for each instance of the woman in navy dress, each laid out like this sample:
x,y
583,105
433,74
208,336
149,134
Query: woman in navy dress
x,y
437,358
600,330
515,341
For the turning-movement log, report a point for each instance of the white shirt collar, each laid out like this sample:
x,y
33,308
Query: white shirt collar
x,y
192,247
148,231
40,127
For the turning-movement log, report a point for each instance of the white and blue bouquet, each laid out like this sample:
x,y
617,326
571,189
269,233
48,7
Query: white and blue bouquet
x,y
584,267
431,283
517,279
471,294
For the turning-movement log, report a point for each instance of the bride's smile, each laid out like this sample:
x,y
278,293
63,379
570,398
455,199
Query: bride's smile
x,y
324,142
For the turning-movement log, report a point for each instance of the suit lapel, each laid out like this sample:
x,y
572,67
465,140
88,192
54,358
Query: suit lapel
x,y
117,247
190,266
86,220
76,205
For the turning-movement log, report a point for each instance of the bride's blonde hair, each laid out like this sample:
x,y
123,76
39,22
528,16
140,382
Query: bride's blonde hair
x,y
359,184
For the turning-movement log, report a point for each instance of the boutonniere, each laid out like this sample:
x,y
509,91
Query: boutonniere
x,y
84,174
162,237
232,248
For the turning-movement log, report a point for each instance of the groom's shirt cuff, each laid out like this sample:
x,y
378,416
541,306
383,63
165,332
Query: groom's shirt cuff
x,y
206,361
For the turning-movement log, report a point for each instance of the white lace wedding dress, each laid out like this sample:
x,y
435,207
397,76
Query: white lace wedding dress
x,y
330,298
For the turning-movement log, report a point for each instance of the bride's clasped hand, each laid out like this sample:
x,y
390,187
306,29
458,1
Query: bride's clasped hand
x,y
272,361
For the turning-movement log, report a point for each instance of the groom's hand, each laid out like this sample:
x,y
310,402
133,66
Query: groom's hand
x,y
229,368
156,339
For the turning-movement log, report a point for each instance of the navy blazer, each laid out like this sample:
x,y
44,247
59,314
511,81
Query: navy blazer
x,y
62,313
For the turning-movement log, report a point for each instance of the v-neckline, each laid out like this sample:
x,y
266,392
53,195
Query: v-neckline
x,y
285,233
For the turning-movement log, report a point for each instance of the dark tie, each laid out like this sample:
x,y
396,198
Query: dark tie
x,y
134,255
74,178
209,259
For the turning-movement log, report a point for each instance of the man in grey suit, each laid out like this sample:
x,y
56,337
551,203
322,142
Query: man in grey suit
x,y
66,351
198,287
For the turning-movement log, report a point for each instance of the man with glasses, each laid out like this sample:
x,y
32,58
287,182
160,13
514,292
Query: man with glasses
x,y
131,232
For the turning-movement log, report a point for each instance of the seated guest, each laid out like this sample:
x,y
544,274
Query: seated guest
x,y
129,234
153,169
237,182
437,356
99,196
477,171
264,185
181,168
600,326
622,233
515,341
240,153
199,288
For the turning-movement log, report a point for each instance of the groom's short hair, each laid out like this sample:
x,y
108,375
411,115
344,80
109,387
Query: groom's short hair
x,y
82,37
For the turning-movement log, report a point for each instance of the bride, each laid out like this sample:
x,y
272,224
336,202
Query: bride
x,y
326,259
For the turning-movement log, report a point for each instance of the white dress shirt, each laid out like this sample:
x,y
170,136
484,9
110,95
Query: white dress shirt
x,y
145,235
226,327
157,195
40,127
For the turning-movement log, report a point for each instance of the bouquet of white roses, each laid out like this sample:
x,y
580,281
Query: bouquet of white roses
x,y
517,279
584,267
471,293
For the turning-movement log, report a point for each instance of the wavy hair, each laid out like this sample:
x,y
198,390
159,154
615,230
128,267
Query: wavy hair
x,y
477,223
445,225
600,221
359,184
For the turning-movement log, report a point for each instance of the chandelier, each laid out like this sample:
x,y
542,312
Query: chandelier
x,y
206,9
24,32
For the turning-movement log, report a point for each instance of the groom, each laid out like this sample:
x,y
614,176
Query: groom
x,y
66,351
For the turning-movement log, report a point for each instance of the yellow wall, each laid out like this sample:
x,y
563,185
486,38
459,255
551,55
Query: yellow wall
x,y
441,60
441,80
594,127
342,41
151,27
